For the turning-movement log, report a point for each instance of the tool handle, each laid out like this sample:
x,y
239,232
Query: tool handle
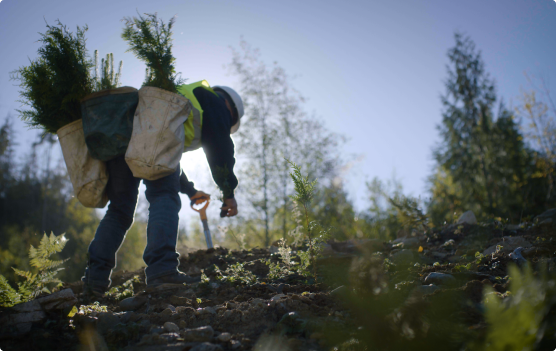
x,y
208,237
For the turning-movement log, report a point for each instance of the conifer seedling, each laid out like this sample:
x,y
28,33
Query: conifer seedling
x,y
150,39
54,83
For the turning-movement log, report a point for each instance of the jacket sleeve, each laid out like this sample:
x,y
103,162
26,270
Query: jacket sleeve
x,y
186,187
216,140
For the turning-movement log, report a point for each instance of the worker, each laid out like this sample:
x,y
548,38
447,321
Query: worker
x,y
215,115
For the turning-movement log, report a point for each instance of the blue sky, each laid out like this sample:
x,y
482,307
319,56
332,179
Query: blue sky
x,y
371,70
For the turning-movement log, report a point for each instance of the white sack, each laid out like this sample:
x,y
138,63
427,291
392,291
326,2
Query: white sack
x,y
88,176
158,137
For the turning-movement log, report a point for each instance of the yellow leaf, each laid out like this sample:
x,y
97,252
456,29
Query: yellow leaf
x,y
72,312
420,249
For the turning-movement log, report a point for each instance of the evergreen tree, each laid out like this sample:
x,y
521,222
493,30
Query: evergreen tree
x,y
482,157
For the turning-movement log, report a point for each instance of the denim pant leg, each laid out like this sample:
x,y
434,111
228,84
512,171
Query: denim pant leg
x,y
122,190
162,230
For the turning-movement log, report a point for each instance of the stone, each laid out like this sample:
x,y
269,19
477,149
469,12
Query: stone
x,y
224,337
403,257
107,321
183,324
132,303
198,334
517,257
179,301
258,303
170,327
207,346
548,214
427,289
169,337
58,301
124,316
546,223
17,320
157,330
235,344
440,279
206,310
467,218
509,244
167,312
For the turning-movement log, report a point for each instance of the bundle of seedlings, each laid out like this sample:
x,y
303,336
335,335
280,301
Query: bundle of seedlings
x,y
158,137
107,79
53,84
108,113
150,39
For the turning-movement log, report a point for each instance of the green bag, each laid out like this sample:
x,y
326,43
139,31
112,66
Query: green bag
x,y
108,121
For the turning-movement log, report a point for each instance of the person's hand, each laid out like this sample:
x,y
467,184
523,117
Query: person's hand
x,y
229,209
200,197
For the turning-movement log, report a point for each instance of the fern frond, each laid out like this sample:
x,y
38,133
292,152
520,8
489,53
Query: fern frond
x,y
48,246
8,295
25,274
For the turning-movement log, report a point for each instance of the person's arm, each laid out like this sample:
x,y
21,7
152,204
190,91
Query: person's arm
x,y
186,187
217,142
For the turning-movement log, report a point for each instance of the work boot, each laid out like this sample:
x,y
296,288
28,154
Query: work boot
x,y
178,278
92,292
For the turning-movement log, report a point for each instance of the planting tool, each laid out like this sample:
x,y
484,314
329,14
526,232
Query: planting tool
x,y
203,213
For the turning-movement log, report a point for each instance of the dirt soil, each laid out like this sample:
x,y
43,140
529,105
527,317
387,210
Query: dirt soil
x,y
293,312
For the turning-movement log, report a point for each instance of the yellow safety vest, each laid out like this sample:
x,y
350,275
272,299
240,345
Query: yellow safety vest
x,y
194,121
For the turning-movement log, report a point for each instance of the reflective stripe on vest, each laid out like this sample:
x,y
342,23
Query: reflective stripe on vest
x,y
194,121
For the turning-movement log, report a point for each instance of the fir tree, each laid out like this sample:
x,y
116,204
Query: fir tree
x,y
482,157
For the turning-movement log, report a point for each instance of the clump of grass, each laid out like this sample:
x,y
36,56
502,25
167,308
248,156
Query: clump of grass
x,y
53,84
35,283
150,39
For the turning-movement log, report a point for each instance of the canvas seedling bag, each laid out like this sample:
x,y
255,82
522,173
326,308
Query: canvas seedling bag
x,y
88,175
108,121
157,141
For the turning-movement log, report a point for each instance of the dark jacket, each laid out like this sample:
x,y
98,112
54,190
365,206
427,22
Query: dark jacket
x,y
217,144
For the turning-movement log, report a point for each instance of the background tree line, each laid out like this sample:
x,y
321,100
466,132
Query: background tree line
x,y
495,160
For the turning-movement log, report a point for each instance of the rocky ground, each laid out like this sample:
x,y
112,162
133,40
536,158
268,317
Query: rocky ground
x,y
422,290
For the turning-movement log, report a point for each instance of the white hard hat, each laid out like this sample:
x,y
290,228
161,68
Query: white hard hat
x,y
238,104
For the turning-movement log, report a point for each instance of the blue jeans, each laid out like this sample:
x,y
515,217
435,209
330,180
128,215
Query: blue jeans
x,y
162,229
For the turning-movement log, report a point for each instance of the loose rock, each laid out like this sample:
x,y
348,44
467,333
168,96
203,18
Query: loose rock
x,y
509,244
170,327
517,257
427,289
132,303
199,334
224,337
467,218
440,279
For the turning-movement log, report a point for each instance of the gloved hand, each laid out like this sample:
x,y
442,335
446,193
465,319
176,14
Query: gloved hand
x,y
229,208
200,197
